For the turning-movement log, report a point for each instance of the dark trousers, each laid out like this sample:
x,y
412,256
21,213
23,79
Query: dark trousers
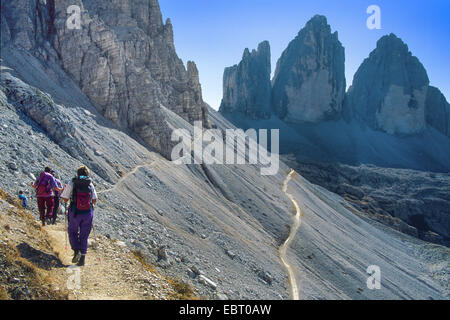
x,y
45,205
55,208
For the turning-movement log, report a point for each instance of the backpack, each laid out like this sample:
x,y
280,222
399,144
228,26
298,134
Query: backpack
x,y
81,195
59,185
43,186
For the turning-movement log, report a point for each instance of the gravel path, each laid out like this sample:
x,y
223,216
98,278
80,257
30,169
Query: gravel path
x,y
283,249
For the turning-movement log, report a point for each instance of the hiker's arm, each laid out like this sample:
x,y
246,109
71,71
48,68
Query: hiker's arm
x,y
67,192
94,194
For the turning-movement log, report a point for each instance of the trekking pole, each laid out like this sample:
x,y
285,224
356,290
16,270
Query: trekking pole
x,y
95,233
31,200
66,231
33,178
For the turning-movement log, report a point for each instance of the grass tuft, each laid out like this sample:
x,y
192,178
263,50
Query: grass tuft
x,y
183,290
139,256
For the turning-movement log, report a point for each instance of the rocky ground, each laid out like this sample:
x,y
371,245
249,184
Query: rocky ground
x,y
216,228
219,232
36,264
334,247
187,232
416,203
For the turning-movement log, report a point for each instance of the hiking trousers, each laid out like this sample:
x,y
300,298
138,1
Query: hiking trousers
x,y
45,205
55,208
80,226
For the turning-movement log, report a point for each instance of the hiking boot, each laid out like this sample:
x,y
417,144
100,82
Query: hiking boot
x,y
82,259
76,256
43,223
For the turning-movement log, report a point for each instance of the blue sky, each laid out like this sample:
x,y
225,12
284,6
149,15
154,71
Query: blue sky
x,y
214,33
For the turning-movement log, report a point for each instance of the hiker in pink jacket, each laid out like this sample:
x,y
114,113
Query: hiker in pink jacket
x,y
45,186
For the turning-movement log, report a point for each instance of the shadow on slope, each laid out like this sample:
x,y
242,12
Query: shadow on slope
x,y
353,144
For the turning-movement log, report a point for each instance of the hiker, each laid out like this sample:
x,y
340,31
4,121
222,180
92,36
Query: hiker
x,y
23,198
83,197
56,197
45,186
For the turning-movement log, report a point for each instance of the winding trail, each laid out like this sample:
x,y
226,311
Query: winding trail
x,y
124,177
296,224
283,248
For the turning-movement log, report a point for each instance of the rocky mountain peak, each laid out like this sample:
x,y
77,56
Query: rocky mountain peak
x,y
309,82
389,89
437,111
392,43
247,87
264,47
123,59
318,22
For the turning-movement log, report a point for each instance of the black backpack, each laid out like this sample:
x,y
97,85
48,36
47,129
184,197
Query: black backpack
x,y
81,195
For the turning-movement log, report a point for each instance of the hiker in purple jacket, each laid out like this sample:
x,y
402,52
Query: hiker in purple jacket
x,y
57,194
83,197
45,186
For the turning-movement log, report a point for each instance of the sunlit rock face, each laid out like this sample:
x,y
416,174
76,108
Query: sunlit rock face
x,y
309,82
123,58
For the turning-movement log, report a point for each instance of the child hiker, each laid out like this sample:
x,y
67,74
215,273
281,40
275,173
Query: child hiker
x,y
23,198
83,197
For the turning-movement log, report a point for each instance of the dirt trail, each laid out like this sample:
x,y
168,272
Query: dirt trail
x,y
111,271
294,228
124,177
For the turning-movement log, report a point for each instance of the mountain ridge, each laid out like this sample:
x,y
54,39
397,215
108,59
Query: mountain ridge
x,y
390,90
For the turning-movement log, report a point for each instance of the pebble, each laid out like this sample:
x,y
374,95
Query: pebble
x,y
121,244
15,280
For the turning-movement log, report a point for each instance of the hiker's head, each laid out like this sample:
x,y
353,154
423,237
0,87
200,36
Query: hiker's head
x,y
83,171
20,192
48,169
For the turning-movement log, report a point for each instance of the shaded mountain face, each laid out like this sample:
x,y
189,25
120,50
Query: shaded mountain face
x,y
437,111
389,89
123,59
389,117
391,92
309,82
247,87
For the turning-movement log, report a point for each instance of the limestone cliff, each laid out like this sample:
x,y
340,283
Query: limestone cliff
x,y
389,89
437,111
247,87
309,82
123,58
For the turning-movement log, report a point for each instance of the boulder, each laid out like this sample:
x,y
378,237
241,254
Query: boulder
x,y
267,277
206,281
